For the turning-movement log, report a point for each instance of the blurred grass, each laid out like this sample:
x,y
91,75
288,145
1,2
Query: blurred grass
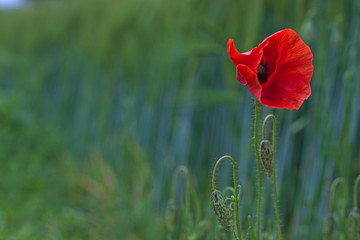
x,y
101,100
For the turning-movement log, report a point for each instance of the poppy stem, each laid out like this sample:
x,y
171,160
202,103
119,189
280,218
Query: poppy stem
x,y
237,196
258,170
274,169
355,200
276,205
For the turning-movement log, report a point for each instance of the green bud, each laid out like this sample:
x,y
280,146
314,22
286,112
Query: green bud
x,y
222,210
266,156
354,224
170,213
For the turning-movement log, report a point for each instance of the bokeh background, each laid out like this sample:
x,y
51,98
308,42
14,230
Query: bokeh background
x,y
101,100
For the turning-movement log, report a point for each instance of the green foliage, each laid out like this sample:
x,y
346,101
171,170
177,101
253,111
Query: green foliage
x,y
100,101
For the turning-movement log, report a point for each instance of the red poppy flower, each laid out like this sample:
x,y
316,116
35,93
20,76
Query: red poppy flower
x,y
278,71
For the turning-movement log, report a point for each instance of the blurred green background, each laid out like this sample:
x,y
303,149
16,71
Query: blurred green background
x,y
101,100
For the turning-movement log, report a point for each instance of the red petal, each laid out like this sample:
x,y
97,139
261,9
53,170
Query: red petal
x,y
250,59
280,98
246,75
289,85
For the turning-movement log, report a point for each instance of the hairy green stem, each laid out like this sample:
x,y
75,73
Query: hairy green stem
x,y
237,220
276,204
258,170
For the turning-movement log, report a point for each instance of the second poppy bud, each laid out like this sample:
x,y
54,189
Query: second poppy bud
x,y
266,156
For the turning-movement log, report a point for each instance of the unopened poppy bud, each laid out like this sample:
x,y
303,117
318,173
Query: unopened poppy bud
x,y
222,210
354,224
170,215
266,156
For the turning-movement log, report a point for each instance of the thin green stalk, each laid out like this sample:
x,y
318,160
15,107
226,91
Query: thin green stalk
x,y
276,204
237,220
258,169
357,180
187,187
236,238
334,184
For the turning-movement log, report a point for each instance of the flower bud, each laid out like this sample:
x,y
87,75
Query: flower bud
x,y
170,215
354,224
222,210
266,156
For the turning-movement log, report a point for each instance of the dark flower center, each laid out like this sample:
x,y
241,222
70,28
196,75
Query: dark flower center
x,y
263,72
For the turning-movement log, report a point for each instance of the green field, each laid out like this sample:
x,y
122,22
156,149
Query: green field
x,y
101,100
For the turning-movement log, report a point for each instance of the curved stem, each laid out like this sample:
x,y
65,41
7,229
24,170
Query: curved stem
x,y
258,169
334,184
276,204
229,189
274,126
237,220
187,187
357,180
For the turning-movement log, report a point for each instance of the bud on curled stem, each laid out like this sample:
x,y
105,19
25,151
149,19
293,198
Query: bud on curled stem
x,y
222,210
267,156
